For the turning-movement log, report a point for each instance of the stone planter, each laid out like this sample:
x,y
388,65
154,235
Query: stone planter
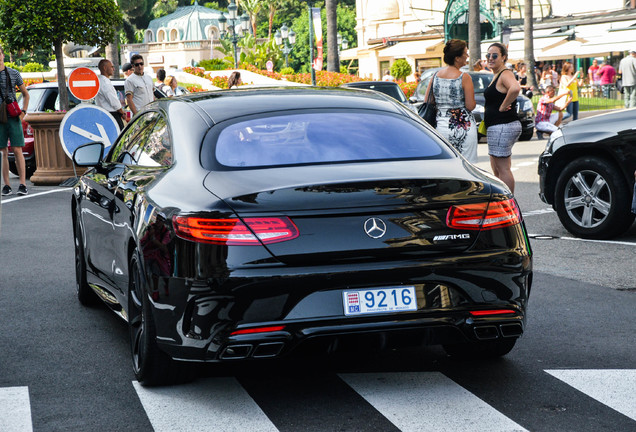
x,y
53,165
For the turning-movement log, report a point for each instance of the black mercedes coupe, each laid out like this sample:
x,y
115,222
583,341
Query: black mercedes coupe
x,y
247,224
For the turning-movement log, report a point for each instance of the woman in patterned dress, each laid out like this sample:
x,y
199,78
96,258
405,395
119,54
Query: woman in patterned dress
x,y
454,95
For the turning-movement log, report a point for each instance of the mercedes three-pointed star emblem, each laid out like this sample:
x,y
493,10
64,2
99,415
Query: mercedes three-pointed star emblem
x,y
375,227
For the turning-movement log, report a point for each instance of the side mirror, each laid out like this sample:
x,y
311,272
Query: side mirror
x,y
412,99
88,154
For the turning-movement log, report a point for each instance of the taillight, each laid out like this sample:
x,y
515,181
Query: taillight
x,y
492,312
28,130
233,231
257,330
484,215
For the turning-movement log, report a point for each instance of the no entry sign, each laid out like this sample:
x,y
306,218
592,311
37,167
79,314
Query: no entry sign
x,y
83,83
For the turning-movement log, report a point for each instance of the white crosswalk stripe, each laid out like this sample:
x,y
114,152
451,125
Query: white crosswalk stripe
x,y
428,402
412,401
615,388
214,404
15,410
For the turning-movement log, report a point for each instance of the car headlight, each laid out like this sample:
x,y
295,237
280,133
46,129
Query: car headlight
x,y
479,109
527,105
556,135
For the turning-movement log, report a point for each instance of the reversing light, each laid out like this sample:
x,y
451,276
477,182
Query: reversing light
x,y
484,215
234,231
257,330
490,312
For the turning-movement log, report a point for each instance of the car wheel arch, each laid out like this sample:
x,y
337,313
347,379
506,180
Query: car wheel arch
x,y
613,188
567,154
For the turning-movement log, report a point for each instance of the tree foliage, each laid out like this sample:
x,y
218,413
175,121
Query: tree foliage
x,y
299,57
27,25
400,69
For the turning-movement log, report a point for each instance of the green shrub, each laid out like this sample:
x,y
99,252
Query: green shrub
x,y
287,71
13,66
214,64
34,67
400,69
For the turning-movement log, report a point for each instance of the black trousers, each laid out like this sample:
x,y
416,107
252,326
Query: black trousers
x,y
118,119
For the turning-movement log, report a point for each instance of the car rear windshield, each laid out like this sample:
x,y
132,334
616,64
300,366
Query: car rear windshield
x,y
318,137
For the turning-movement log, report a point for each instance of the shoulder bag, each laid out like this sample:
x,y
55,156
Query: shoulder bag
x,y
12,107
428,110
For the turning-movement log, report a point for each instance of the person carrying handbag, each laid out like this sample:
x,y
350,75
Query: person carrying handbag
x,y
11,129
454,97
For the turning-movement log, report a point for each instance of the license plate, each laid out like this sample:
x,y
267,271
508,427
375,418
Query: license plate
x,y
391,299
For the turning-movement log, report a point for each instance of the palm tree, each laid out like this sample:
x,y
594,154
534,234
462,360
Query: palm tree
x,y
528,30
272,6
474,32
252,7
333,62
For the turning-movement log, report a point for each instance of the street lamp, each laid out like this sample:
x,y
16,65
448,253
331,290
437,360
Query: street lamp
x,y
286,38
342,43
231,32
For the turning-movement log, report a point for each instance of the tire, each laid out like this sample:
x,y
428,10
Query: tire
x,y
152,367
85,293
592,199
481,350
527,135
29,165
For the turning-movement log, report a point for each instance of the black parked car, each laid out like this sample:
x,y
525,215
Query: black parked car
x,y
244,224
587,172
481,80
389,88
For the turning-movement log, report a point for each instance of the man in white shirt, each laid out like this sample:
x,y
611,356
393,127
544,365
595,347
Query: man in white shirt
x,y
627,69
138,86
107,95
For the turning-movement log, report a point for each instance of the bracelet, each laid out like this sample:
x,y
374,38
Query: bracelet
x,y
24,111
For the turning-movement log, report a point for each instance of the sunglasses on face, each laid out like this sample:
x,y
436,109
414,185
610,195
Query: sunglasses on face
x,y
493,56
141,64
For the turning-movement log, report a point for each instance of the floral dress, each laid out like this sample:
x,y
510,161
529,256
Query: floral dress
x,y
454,121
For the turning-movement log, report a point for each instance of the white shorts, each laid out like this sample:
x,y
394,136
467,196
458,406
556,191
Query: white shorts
x,y
545,126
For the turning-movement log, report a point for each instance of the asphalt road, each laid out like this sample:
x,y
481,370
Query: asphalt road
x,y
64,367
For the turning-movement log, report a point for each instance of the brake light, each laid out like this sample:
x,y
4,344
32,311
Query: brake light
x,y
492,312
257,330
233,231
484,215
28,130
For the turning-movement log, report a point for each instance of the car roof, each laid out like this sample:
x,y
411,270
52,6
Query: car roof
x,y
53,84
370,83
222,105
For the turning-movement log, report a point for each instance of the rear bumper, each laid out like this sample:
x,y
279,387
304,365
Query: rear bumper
x,y
196,320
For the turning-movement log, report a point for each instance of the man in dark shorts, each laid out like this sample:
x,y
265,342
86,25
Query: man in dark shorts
x,y
12,129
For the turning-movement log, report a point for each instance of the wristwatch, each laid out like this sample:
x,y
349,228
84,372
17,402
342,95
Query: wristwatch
x,y
24,111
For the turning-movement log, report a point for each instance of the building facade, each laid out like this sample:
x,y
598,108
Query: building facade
x,y
183,38
416,30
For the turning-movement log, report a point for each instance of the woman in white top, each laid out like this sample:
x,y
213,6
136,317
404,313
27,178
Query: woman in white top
x,y
170,87
454,96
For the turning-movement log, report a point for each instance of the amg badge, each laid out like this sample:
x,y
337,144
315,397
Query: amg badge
x,y
452,237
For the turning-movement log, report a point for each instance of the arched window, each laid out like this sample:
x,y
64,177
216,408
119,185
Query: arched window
x,y
174,35
212,33
149,37
161,35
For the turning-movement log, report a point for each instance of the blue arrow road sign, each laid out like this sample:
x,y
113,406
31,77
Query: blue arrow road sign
x,y
87,123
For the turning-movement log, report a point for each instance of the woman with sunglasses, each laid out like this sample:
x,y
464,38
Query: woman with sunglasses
x,y
454,96
500,114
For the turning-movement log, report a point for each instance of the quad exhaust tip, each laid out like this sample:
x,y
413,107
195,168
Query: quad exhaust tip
x,y
264,350
503,330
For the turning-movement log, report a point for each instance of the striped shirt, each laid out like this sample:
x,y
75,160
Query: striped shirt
x,y
16,81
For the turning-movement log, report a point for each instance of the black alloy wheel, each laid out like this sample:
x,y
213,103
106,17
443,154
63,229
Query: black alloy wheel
x,y
592,200
85,294
152,367
481,349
